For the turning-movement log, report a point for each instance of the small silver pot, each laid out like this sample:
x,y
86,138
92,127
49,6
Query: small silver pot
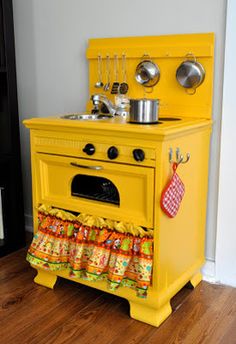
x,y
147,73
143,111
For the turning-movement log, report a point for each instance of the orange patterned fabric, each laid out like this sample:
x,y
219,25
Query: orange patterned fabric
x,y
93,253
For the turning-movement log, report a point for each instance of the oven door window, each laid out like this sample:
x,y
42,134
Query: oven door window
x,y
95,188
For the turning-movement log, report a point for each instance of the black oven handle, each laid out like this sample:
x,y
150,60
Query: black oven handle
x,y
97,168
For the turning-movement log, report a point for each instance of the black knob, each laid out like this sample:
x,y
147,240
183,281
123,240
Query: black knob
x,y
89,149
112,153
138,154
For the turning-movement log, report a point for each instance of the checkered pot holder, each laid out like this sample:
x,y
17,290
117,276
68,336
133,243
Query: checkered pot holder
x,y
173,194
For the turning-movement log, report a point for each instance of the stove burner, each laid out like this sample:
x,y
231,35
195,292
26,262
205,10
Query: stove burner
x,y
147,123
169,119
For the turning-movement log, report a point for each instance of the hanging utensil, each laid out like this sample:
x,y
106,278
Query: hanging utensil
x,y
107,84
190,74
115,85
99,83
123,88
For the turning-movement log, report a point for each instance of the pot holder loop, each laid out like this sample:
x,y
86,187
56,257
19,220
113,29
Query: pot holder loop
x,y
172,194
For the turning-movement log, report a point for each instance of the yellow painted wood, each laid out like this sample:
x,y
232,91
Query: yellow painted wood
x,y
196,279
181,240
45,278
116,128
168,52
156,46
178,242
56,143
135,186
155,316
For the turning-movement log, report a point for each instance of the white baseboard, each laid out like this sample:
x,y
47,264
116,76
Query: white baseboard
x,y
29,223
212,275
208,272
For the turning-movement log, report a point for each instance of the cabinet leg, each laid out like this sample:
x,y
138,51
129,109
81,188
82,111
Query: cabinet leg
x,y
45,278
196,279
149,315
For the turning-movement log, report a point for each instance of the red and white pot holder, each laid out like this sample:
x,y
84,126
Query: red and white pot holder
x,y
173,194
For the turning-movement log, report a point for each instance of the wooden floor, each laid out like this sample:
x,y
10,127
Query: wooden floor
x,y
73,313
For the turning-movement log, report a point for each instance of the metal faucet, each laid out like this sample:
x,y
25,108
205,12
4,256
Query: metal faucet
x,y
101,99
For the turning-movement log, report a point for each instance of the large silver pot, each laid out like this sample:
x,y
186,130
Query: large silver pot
x,y
190,74
143,111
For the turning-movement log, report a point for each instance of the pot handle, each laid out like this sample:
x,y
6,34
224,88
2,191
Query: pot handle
x,y
191,55
147,90
190,91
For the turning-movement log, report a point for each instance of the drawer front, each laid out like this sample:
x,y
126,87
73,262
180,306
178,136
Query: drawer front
x,y
73,184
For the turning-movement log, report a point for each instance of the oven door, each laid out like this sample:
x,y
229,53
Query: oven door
x,y
111,190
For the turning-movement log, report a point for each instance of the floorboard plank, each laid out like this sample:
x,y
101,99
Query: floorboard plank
x,y
82,321
47,323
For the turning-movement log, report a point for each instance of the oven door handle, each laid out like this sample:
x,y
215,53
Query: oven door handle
x,y
97,168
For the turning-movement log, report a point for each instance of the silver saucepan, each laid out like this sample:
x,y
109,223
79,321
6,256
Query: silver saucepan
x,y
190,74
143,111
147,73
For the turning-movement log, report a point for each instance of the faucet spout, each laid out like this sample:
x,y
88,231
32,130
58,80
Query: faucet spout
x,y
99,100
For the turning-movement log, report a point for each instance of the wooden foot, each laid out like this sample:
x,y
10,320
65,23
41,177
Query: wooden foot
x,y
149,315
196,279
45,278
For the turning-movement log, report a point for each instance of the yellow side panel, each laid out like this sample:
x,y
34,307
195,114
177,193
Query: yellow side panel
x,y
180,240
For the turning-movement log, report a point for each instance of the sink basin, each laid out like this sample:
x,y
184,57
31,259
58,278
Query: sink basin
x,y
87,116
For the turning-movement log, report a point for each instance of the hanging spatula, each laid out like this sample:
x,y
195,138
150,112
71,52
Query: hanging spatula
x,y
123,88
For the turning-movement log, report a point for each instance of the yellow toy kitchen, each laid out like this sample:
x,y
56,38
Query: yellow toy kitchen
x,y
120,190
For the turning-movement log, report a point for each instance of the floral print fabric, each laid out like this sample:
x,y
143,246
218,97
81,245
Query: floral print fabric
x,y
93,252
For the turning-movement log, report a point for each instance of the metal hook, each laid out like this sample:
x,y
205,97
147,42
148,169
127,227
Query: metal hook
x,y
170,155
179,157
187,159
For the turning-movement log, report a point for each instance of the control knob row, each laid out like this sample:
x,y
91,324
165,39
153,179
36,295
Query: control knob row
x,y
113,152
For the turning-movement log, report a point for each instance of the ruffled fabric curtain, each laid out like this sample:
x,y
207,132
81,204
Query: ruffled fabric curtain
x,y
93,248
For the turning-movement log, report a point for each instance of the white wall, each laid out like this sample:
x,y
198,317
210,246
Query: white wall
x,y
226,233
51,38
